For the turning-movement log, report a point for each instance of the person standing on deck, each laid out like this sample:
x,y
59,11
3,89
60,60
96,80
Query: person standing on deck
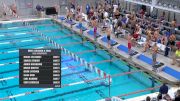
x,y
108,30
80,25
154,55
129,43
94,23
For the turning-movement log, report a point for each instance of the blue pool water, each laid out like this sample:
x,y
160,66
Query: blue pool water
x,y
14,36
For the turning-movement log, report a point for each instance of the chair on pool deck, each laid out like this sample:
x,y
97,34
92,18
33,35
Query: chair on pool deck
x,y
112,42
70,22
125,49
149,60
172,72
91,33
62,18
83,28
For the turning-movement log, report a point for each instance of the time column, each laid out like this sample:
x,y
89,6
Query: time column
x,y
57,71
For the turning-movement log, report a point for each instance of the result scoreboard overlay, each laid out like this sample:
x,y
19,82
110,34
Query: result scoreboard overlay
x,y
40,68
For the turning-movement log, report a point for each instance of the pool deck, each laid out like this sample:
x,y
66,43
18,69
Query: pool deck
x,y
133,61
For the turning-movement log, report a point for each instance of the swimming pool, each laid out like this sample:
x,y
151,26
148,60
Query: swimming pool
x,y
15,35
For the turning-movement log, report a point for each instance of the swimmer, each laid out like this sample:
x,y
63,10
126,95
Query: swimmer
x,y
108,30
94,23
80,25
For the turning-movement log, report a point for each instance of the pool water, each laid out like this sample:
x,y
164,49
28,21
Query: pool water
x,y
14,36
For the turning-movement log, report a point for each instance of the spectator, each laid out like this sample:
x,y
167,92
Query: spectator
x,y
91,13
87,9
137,33
173,26
159,97
148,98
172,39
146,45
162,17
116,13
14,8
167,97
142,12
156,35
176,57
118,28
177,96
163,39
163,89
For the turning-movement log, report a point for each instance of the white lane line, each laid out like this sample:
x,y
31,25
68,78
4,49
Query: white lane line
x,y
9,78
26,40
4,43
13,51
19,33
1,35
64,68
76,83
13,28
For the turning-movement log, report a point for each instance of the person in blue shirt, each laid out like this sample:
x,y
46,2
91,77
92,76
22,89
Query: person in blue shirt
x,y
163,89
80,25
87,9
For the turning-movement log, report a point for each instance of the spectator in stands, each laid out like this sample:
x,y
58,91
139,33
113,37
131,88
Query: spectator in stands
x,y
72,9
162,17
137,33
91,13
125,20
171,41
14,8
159,97
146,45
132,20
116,13
167,97
176,57
87,9
142,12
100,12
163,39
177,96
118,30
67,13
163,89
173,26
78,13
156,35
148,98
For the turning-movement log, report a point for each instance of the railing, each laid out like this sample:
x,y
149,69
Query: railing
x,y
131,93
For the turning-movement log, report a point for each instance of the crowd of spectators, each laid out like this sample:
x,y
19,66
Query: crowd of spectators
x,y
139,24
